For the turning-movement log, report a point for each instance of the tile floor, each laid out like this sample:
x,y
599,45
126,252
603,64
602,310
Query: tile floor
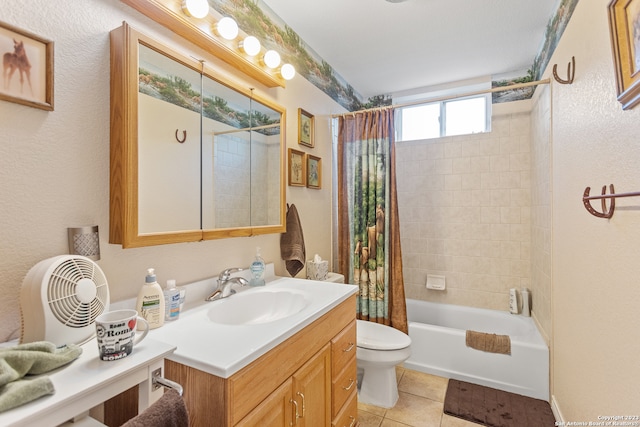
x,y
420,404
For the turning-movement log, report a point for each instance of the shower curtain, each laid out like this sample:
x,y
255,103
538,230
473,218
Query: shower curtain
x,y
368,229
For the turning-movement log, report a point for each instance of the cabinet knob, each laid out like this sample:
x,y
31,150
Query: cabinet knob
x,y
348,349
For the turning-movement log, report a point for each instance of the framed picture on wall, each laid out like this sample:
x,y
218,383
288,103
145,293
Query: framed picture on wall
x,y
305,128
297,168
624,27
314,172
27,68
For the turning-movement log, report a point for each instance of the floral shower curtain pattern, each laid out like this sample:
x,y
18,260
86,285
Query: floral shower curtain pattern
x,y
369,241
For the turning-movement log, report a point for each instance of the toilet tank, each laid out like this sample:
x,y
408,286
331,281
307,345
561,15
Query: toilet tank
x,y
335,278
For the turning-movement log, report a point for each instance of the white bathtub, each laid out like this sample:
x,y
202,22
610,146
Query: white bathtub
x,y
438,347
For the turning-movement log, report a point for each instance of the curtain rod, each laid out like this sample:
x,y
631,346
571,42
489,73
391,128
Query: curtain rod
x,y
447,97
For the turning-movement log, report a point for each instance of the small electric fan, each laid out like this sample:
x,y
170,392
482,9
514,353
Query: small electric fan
x,y
61,298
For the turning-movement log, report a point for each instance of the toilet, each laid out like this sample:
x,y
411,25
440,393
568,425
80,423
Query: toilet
x,y
379,349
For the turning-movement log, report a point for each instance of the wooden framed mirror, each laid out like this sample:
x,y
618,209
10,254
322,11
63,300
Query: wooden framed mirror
x,y
192,157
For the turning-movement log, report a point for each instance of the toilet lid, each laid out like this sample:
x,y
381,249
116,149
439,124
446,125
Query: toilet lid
x,y
375,336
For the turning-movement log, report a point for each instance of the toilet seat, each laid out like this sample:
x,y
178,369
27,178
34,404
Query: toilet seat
x,y
375,336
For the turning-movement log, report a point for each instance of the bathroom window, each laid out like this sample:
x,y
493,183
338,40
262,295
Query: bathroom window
x,y
460,116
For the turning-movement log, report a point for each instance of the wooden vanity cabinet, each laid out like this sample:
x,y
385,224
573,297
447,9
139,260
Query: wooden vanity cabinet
x,y
275,410
300,376
304,400
344,369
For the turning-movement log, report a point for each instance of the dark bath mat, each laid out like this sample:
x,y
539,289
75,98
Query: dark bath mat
x,y
495,408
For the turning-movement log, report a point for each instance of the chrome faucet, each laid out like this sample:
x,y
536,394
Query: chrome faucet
x,y
224,284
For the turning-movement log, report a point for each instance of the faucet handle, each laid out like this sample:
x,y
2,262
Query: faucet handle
x,y
226,274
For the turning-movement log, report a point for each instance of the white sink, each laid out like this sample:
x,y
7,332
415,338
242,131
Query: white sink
x,y
221,337
258,307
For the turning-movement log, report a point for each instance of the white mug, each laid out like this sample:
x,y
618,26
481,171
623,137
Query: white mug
x,y
116,333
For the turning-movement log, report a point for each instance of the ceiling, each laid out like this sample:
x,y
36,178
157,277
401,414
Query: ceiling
x,y
380,47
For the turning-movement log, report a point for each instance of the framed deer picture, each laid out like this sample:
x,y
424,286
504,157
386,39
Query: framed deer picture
x,y
27,68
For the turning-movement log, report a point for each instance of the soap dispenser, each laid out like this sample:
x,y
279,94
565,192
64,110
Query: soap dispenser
x,y
150,302
171,301
257,270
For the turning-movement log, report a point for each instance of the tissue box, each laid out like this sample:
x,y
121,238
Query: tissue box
x,y
317,270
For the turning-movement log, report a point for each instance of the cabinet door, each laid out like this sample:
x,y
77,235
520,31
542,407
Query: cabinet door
x,y
312,390
277,410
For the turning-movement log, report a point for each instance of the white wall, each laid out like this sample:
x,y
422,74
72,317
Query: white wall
x,y
54,166
596,282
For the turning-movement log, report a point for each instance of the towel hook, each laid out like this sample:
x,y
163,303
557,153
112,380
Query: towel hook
x,y
605,213
571,72
184,136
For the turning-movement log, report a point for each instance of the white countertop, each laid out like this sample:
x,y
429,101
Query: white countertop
x,y
86,382
222,350
193,340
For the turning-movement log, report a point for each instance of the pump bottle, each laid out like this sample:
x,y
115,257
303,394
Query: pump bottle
x,y
171,301
150,302
257,270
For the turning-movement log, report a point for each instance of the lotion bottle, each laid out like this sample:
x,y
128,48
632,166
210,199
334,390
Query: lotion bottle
x,y
257,270
171,301
150,303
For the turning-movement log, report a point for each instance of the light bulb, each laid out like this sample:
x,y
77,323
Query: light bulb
x,y
196,8
250,45
271,59
287,71
227,28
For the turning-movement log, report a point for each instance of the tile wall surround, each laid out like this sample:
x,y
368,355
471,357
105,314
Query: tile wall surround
x,y
238,162
465,213
541,176
233,192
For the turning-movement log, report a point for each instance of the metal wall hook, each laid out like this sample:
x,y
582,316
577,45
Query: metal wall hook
x,y
571,72
606,213
184,136
586,200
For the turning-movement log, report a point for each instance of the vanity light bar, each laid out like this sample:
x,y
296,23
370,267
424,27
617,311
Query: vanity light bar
x,y
227,28
202,32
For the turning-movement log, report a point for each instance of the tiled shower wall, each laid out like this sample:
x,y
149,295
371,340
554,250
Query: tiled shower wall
x,y
232,179
246,176
465,213
541,210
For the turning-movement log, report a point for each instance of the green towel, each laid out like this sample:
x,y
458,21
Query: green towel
x,y
30,359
